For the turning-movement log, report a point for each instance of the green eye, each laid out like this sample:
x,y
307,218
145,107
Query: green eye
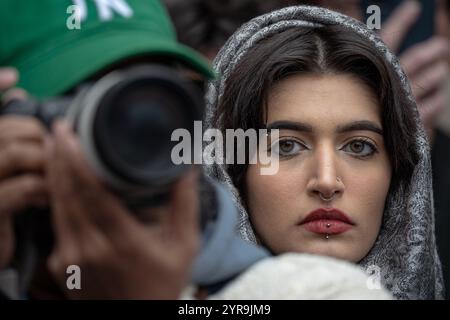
x,y
287,147
362,148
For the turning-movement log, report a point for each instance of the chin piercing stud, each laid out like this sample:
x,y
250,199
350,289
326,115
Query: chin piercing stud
x,y
327,236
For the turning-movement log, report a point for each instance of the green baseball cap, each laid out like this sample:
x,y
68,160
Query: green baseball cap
x,y
56,44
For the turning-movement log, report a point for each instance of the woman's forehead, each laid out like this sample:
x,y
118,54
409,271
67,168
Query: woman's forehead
x,y
323,100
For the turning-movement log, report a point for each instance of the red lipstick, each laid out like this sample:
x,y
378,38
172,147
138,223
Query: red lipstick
x,y
327,221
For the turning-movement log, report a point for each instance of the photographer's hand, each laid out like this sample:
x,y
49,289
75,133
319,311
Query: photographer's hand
x,y
21,166
119,257
425,63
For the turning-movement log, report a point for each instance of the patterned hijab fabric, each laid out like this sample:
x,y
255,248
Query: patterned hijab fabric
x,y
405,250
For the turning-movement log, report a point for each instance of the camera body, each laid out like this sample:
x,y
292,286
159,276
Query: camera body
x,y
124,122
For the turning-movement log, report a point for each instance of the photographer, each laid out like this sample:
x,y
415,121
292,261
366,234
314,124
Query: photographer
x,y
92,227
57,48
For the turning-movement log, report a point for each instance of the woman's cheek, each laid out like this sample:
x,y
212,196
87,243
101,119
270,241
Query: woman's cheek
x,y
368,197
271,197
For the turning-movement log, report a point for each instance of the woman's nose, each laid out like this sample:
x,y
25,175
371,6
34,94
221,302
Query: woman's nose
x,y
325,182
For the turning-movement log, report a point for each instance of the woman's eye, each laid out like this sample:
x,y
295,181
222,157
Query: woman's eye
x,y
360,148
287,147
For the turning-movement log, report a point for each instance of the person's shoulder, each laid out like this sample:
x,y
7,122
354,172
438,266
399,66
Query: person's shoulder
x,y
302,276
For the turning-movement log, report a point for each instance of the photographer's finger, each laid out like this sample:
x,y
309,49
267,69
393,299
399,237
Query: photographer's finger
x,y
64,254
14,94
184,211
14,128
79,241
8,78
22,192
16,158
423,54
394,30
60,223
68,222
98,205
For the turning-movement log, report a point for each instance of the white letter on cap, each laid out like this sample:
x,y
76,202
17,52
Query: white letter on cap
x,y
81,9
106,7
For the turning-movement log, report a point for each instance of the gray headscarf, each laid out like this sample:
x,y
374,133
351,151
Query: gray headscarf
x,y
405,250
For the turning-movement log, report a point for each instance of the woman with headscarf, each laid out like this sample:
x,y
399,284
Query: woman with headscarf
x,y
354,178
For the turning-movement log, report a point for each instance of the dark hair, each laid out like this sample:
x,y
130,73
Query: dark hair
x,y
325,50
205,25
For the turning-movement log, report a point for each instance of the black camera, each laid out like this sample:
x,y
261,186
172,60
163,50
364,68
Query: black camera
x,y
124,122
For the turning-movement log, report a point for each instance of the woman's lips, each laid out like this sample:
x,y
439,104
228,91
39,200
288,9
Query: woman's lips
x,y
327,221
327,226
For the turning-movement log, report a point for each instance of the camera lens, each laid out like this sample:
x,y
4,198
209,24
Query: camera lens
x,y
133,126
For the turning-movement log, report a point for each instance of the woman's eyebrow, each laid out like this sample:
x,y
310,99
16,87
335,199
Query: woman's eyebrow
x,y
362,125
290,125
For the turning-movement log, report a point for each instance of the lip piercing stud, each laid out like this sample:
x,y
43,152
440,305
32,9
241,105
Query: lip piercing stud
x,y
327,236
328,225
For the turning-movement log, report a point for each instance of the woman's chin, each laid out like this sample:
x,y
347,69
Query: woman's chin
x,y
331,248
